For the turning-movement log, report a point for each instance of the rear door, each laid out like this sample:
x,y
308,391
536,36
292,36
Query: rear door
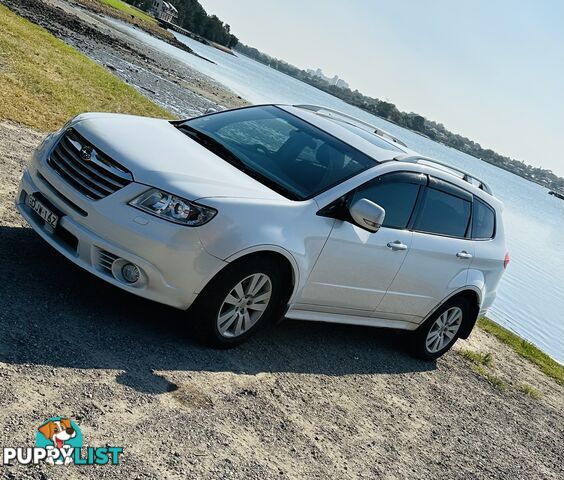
x,y
356,267
440,255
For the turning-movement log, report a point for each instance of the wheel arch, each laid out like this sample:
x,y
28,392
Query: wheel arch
x,y
280,254
474,295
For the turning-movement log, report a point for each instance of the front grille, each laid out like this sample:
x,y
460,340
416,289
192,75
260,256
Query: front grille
x,y
85,168
59,195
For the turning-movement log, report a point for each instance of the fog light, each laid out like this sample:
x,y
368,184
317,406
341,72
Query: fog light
x,y
130,272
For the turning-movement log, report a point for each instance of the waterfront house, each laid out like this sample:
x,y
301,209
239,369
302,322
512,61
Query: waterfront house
x,y
164,11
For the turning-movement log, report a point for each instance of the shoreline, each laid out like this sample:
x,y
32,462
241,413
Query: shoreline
x,y
169,83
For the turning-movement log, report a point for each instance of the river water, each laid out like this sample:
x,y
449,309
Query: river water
x,y
530,297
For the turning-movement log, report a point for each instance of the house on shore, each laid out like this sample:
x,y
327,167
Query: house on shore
x,y
164,11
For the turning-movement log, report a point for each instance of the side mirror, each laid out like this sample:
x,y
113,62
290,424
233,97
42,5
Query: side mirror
x,y
367,214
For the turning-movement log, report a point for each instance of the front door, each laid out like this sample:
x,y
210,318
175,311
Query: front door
x,y
356,267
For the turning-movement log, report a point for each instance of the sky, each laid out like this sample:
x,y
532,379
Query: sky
x,y
491,70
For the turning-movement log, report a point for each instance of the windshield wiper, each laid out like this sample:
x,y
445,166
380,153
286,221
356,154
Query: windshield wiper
x,y
272,184
221,150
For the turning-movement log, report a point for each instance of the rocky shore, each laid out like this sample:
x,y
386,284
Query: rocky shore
x,y
169,83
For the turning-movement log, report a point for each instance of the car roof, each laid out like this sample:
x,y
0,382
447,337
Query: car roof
x,y
345,134
333,124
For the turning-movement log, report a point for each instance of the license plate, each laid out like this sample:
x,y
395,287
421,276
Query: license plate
x,y
41,210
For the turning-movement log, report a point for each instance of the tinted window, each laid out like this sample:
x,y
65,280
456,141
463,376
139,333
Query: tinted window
x,y
483,220
443,214
282,150
397,198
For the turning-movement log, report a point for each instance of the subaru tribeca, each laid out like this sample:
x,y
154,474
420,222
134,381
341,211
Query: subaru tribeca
x,y
252,214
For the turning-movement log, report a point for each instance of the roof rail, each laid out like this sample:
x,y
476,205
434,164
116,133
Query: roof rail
x,y
446,167
329,112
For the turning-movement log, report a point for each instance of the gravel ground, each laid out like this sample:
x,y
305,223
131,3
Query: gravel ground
x,y
302,400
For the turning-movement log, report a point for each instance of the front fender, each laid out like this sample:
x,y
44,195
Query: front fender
x,y
268,249
244,226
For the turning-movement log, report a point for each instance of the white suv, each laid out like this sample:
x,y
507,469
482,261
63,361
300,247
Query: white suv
x,y
256,213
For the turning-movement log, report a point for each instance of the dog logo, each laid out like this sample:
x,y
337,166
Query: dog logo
x,y
86,153
58,441
59,433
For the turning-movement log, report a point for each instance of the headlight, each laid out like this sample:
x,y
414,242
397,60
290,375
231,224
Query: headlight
x,y
172,208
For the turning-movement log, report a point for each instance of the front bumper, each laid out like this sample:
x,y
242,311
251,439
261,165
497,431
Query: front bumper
x,y
174,265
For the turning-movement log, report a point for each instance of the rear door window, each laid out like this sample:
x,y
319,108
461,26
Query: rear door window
x,y
443,214
483,221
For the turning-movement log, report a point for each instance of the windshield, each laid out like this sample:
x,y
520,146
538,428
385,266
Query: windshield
x,y
278,149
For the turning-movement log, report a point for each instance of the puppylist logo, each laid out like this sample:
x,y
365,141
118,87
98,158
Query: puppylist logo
x,y
58,441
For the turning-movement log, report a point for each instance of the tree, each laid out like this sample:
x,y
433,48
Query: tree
x,y
193,17
417,122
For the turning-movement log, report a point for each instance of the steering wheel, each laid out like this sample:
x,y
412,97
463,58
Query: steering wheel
x,y
329,171
257,147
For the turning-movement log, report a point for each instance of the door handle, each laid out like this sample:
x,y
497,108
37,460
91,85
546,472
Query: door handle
x,y
397,245
464,254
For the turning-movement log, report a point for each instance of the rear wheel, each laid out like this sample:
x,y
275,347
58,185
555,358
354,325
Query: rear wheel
x,y
243,297
439,333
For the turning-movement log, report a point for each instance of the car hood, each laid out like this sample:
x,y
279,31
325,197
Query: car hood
x,y
159,155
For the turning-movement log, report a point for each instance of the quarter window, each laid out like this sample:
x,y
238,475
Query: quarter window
x,y
444,214
483,221
396,197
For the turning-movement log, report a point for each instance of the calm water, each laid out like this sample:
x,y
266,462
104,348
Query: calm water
x,y
531,294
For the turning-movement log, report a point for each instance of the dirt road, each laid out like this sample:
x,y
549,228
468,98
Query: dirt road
x,y
303,400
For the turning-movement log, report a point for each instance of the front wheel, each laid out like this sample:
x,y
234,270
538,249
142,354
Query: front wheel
x,y
243,297
441,330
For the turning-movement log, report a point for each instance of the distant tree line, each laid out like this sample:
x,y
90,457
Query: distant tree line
x,y
193,17
413,121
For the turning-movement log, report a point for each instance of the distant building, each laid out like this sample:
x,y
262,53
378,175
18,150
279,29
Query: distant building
x,y
339,82
164,11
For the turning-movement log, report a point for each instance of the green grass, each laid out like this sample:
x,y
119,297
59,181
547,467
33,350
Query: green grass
x,y
529,390
126,13
477,358
490,377
129,10
479,361
44,82
525,349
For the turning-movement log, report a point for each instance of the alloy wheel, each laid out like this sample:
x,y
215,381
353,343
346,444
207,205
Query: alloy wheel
x,y
244,305
443,330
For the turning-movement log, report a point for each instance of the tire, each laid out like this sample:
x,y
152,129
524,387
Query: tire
x,y
432,340
222,318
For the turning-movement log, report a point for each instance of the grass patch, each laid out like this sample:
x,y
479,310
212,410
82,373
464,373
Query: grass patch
x,y
479,361
490,377
44,82
477,358
529,390
525,349
129,10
